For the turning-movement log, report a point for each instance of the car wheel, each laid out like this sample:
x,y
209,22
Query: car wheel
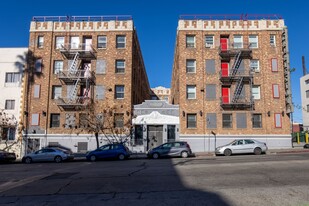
x,y
58,159
227,152
155,155
184,154
28,160
93,158
121,157
257,151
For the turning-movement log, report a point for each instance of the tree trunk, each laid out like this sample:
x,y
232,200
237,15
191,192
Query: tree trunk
x,y
97,139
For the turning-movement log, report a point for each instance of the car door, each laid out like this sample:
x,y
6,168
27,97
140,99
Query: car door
x,y
38,156
175,149
166,149
104,152
237,147
115,150
249,144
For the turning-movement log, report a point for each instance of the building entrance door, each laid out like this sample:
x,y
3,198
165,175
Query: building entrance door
x,y
154,136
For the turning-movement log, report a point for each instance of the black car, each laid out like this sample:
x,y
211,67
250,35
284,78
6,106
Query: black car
x,y
171,149
109,151
7,156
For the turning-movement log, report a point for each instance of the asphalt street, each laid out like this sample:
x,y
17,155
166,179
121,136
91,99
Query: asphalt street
x,y
237,180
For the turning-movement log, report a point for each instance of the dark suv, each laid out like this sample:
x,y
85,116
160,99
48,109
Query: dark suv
x,y
171,149
109,151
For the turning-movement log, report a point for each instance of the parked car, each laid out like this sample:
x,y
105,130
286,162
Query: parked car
x,y
109,151
7,156
64,149
47,154
242,146
171,149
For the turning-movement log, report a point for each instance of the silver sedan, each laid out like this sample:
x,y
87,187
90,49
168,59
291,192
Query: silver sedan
x,y
242,146
47,154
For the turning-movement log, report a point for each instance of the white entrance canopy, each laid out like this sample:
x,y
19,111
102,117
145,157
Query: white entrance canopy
x,y
155,118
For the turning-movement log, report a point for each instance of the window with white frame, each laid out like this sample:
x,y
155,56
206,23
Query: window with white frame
x,y
120,41
56,92
191,120
190,41
119,91
209,41
253,41
40,42
102,42
59,42
256,91
12,77
35,119
278,123
36,90
120,66
8,133
10,104
272,40
191,92
58,66
255,65
238,42
276,91
190,65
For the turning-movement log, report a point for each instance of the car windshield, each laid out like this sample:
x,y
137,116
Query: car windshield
x,y
233,142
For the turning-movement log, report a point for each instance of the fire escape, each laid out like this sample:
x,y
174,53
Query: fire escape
x,y
235,78
78,76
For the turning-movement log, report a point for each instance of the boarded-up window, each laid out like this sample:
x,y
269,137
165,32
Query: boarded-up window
x,y
210,92
35,119
210,66
38,65
276,91
100,92
119,120
36,91
211,119
101,66
278,120
274,65
241,68
241,120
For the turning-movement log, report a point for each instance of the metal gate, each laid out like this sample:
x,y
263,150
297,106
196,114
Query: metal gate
x,y
154,136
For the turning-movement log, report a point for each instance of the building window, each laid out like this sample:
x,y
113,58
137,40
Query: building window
x,y
255,65
278,123
36,91
307,93
58,66
307,81
120,41
100,92
272,40
10,104
59,42
191,120
74,42
40,42
257,121
211,119
210,66
190,41
241,120
83,120
307,107
274,65
227,120
8,133
211,92
190,65
54,120
119,91
276,91
119,120
102,42
12,77
256,92
209,41
238,43
253,41
57,92
35,119
191,92
120,66
38,65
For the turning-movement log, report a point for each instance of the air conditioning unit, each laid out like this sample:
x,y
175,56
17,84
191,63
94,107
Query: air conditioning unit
x,y
209,45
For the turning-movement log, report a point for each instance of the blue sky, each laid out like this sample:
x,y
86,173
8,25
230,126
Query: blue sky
x,y
156,24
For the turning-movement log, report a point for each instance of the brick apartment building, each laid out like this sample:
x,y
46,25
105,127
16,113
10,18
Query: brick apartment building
x,y
161,93
80,62
231,79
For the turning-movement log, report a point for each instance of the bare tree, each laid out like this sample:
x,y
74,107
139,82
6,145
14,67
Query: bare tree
x,y
8,125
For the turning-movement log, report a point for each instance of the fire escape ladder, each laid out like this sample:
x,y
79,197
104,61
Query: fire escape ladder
x,y
73,92
74,66
238,90
236,63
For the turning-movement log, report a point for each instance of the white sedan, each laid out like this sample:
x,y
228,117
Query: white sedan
x,y
242,146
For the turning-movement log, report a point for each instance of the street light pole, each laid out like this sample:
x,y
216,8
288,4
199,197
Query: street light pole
x,y
212,132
